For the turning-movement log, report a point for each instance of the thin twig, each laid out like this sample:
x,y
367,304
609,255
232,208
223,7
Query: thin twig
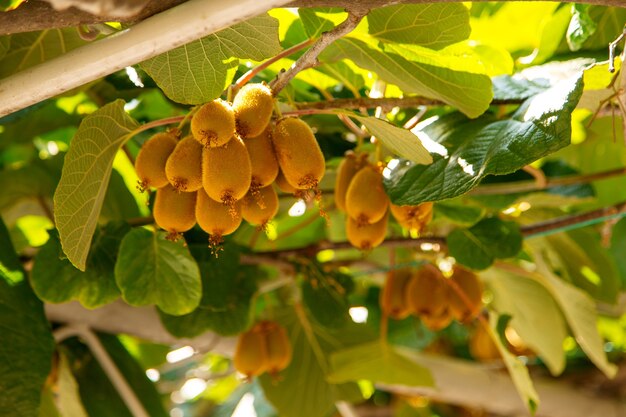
x,y
309,58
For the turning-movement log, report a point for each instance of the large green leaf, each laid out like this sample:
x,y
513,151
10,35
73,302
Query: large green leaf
x,y
302,389
153,270
378,363
465,150
478,246
32,48
579,310
400,141
69,402
535,315
30,181
610,23
430,25
26,343
618,249
200,71
86,172
56,280
5,42
314,23
435,74
227,291
325,294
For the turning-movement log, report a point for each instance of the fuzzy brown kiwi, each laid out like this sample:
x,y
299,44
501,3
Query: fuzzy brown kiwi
x,y
251,358
174,211
262,159
216,219
253,107
184,166
366,200
279,350
348,167
213,124
482,346
226,172
427,293
439,322
299,155
259,208
151,160
413,217
466,308
366,237
393,300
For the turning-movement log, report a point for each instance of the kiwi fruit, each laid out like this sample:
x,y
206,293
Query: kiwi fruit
x,y
413,217
366,200
299,155
439,322
466,308
213,124
174,211
184,166
348,167
226,172
427,293
393,300
283,185
366,237
216,219
482,346
152,158
278,346
259,208
251,358
262,159
253,107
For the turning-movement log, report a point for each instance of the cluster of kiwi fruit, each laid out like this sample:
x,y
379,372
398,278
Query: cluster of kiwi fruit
x,y
428,294
263,348
360,194
222,172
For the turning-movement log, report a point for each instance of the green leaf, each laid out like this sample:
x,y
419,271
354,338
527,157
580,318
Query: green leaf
x,y
422,71
579,310
535,315
517,370
506,87
153,270
5,42
609,24
302,389
618,248
228,289
119,203
31,181
478,246
400,141
56,280
86,172
378,363
459,212
68,394
314,24
433,26
325,294
200,71
26,343
31,48
465,150
581,27
98,395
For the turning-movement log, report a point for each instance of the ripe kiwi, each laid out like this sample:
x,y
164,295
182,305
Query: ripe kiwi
x,y
262,159
366,237
393,300
348,167
299,155
251,357
366,200
253,107
213,124
216,219
413,217
436,323
184,166
278,346
466,308
427,293
174,211
226,172
482,346
151,160
259,208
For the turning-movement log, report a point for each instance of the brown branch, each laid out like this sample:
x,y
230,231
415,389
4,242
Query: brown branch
x,y
309,58
39,15
532,185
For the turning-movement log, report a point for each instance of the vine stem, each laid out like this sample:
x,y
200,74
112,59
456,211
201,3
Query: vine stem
x,y
245,78
309,58
156,123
